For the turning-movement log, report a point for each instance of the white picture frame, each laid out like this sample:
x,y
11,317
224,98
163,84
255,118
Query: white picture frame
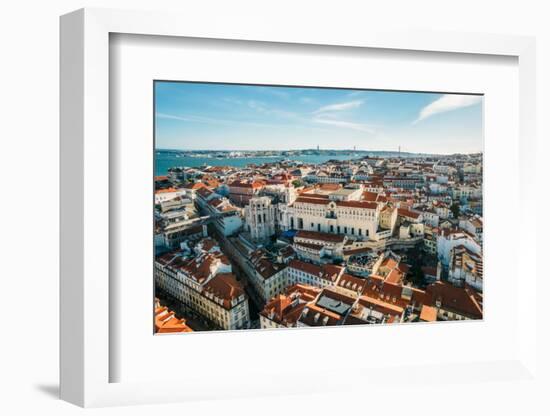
x,y
86,356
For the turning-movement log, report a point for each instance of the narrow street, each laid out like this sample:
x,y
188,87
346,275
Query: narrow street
x,y
193,320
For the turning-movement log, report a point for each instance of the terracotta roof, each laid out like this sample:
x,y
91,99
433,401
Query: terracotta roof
x,y
394,293
224,286
208,243
319,236
215,202
464,301
395,276
357,204
328,271
286,309
195,186
333,294
263,265
370,196
428,313
389,262
329,186
317,201
380,305
407,213
313,315
350,282
166,190
204,191
200,267
172,259
315,196
243,184
355,251
166,321
287,251
316,247
306,292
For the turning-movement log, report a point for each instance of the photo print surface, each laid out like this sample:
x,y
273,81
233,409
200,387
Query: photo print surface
x,y
292,207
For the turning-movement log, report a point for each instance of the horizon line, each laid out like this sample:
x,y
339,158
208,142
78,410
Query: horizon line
x,y
312,148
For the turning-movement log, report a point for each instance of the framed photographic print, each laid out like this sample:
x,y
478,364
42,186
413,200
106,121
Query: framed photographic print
x,y
246,203
263,221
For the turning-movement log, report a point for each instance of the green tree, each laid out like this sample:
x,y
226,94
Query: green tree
x,y
455,209
417,275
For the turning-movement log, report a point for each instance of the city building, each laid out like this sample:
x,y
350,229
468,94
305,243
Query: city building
x,y
314,275
205,285
466,268
352,218
284,310
242,191
166,321
260,218
316,246
369,240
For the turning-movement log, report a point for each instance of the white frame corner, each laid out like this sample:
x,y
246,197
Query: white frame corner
x,y
84,176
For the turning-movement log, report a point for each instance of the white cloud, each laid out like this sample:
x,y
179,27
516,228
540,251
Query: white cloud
x,y
172,117
344,124
447,102
339,106
215,121
229,122
263,108
331,115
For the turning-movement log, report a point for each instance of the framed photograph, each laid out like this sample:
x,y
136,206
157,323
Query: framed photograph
x,y
263,221
241,204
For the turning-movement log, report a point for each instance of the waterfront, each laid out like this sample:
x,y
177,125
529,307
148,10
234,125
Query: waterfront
x,y
166,160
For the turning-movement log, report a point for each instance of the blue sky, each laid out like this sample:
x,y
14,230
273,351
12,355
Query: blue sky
x,y
201,116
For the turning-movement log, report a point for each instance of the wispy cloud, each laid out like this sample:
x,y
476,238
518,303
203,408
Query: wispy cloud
x,y
348,105
331,115
447,102
209,120
367,128
266,109
180,118
356,93
244,123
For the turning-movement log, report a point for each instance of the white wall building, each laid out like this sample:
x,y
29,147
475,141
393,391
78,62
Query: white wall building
x,y
205,286
314,245
474,226
268,278
162,195
466,267
467,191
352,218
449,239
300,272
260,218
